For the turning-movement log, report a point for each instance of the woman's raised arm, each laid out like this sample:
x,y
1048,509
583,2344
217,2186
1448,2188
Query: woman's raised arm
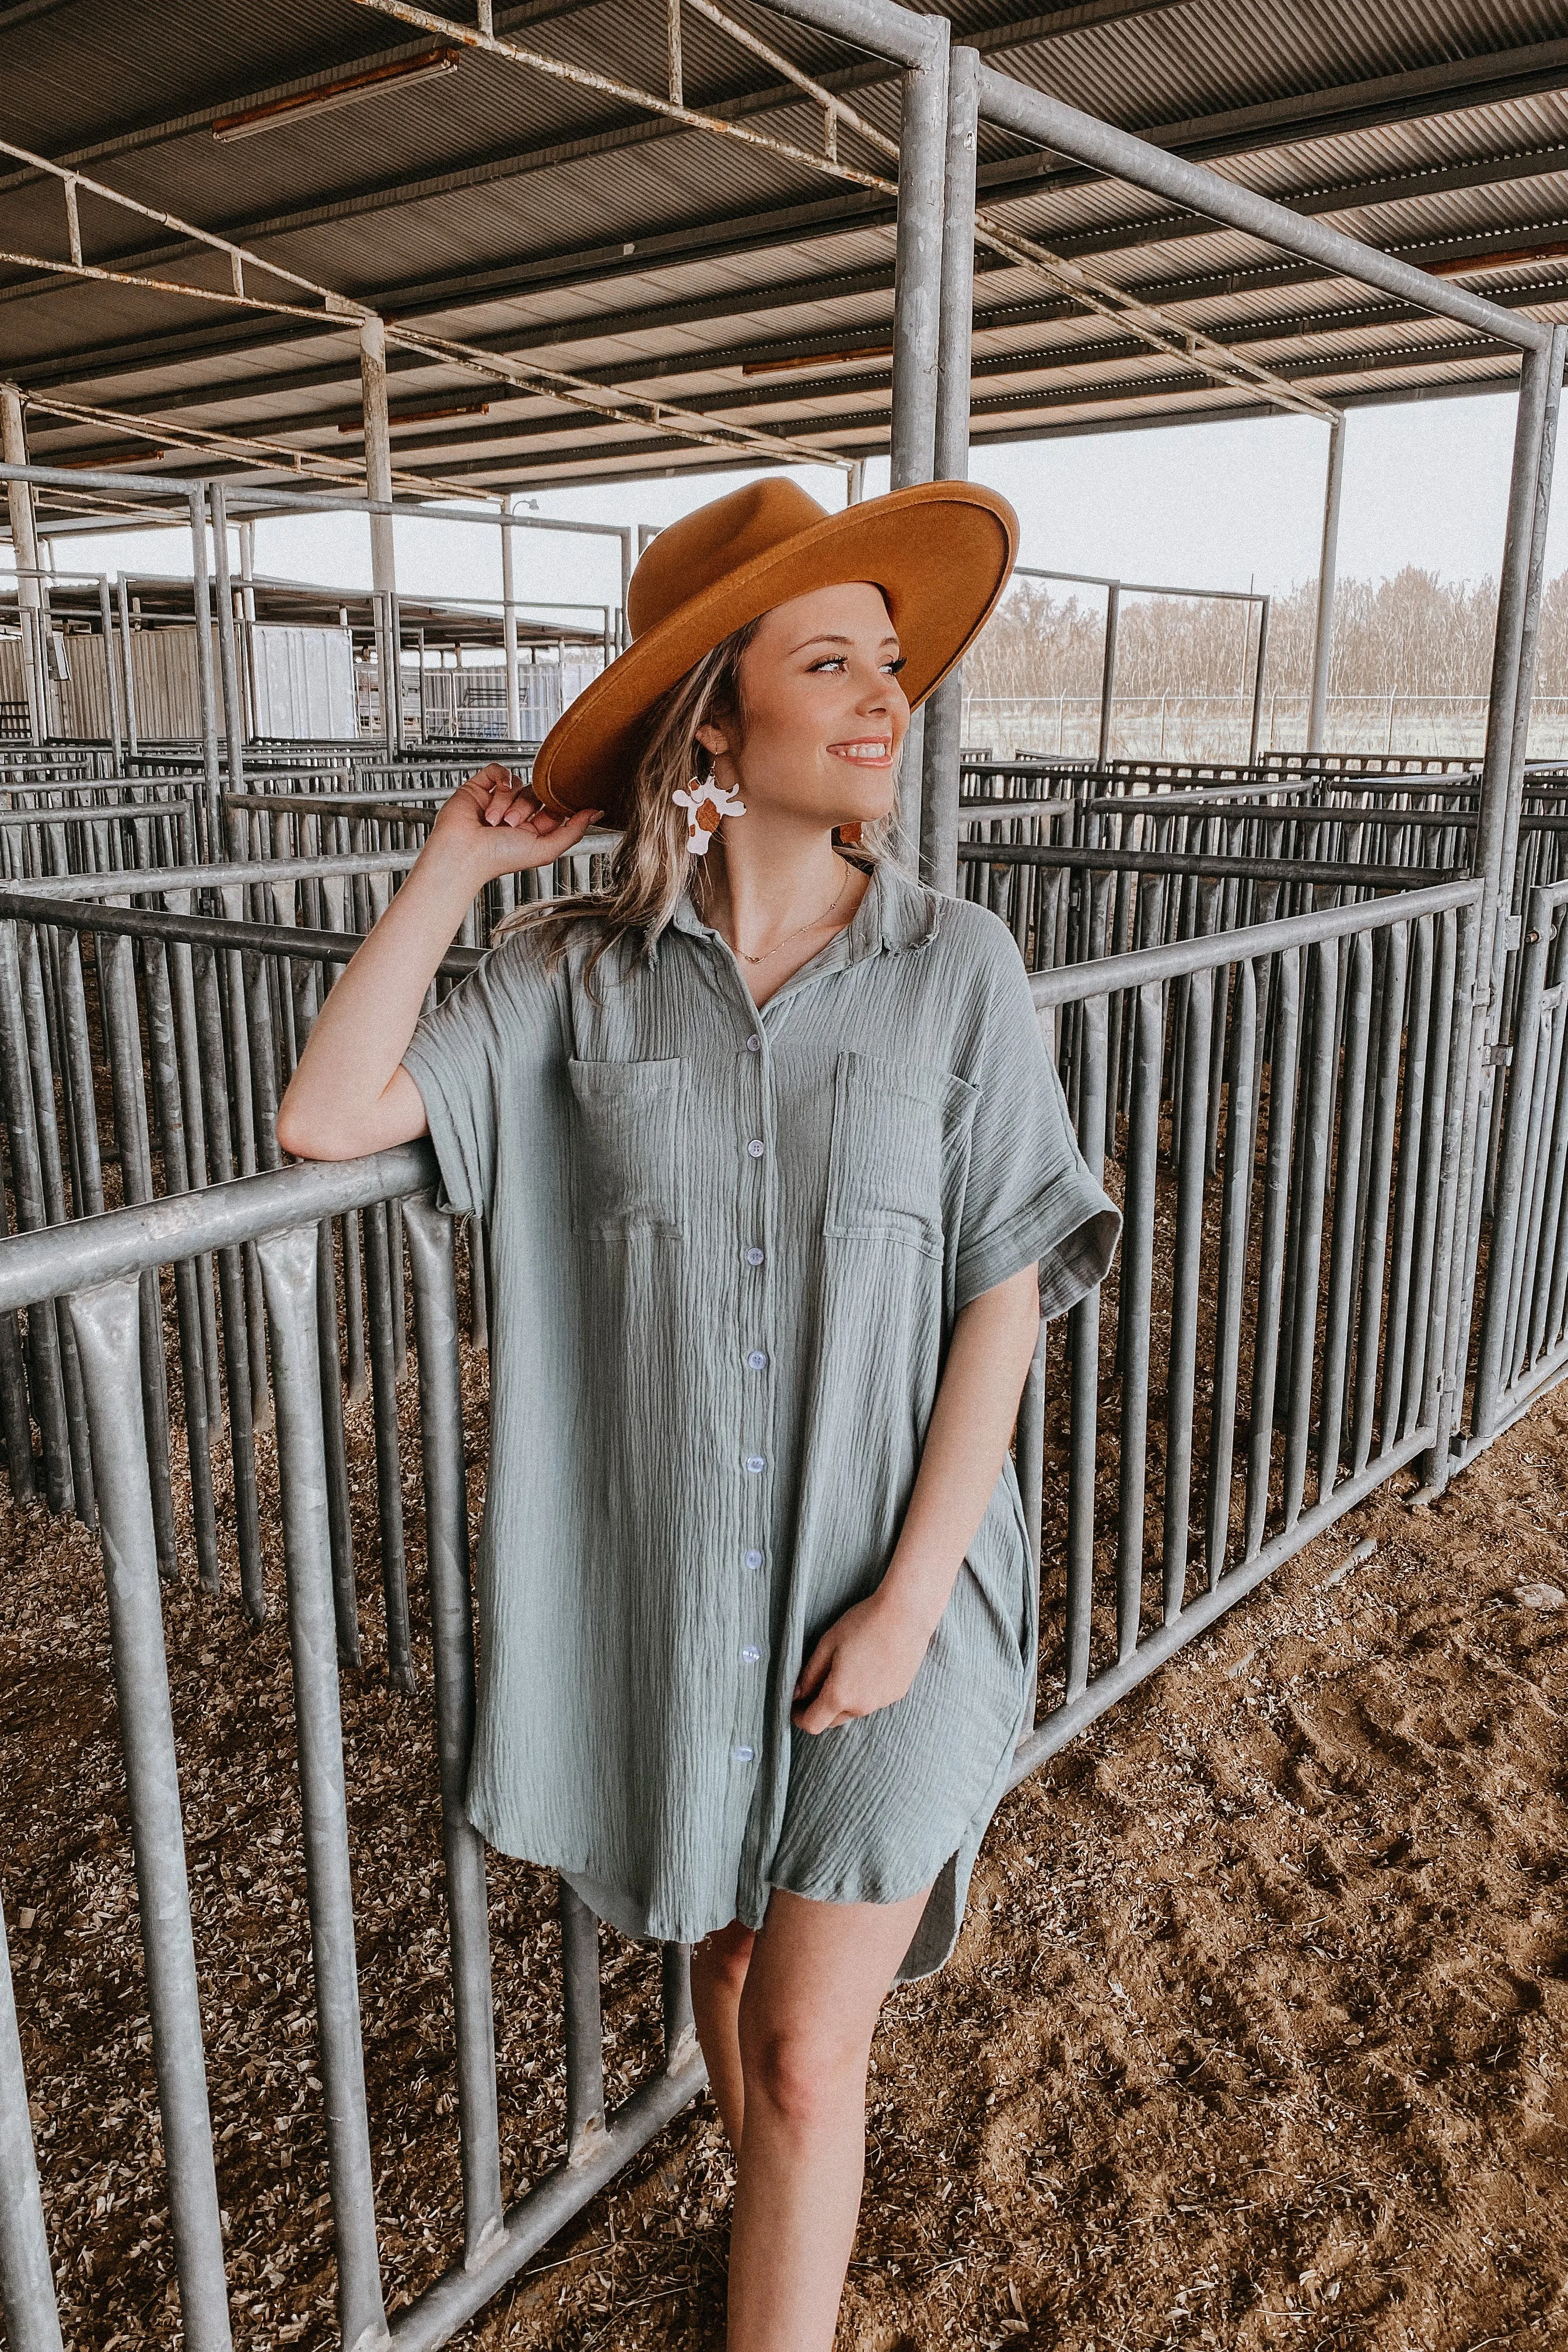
x,y
349,1093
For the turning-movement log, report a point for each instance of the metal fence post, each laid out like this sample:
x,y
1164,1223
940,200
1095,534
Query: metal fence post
x,y
432,1257
1497,829
106,1322
288,1275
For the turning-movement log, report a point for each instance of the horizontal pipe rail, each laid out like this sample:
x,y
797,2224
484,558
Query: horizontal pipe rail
x,y
94,1250
1049,122
1112,974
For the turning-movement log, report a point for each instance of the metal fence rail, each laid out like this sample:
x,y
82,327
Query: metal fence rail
x,y
1293,1091
93,1279
1286,1104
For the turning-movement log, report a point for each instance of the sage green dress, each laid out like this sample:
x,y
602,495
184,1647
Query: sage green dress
x,y
727,1251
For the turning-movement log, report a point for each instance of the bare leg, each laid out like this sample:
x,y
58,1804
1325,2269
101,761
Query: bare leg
x,y
719,1965
817,1979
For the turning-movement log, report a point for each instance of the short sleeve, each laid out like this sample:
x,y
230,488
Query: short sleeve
x,y
1028,1195
458,1058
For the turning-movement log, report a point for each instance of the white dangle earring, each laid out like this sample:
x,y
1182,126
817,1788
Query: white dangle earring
x,y
705,803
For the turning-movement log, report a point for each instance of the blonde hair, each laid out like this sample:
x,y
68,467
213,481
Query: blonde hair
x,y
651,866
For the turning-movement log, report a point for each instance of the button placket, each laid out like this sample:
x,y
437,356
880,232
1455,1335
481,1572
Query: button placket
x,y
755,1128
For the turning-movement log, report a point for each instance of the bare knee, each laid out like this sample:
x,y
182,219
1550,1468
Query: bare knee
x,y
807,2078
724,1958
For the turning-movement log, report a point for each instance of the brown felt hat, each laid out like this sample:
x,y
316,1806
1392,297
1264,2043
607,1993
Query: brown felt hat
x,y
939,552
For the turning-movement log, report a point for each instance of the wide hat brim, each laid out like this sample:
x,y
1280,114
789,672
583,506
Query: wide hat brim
x,y
941,554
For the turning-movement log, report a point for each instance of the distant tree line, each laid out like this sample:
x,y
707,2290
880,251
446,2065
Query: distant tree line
x,y
1412,634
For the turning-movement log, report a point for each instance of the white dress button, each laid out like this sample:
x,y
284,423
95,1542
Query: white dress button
x,y
754,1043
744,1755
751,1653
752,1559
753,1257
756,1361
756,1146
754,1463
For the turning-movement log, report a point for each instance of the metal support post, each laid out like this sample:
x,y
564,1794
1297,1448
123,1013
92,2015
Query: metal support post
x,y
25,550
1108,672
945,711
1497,836
210,830
247,611
132,746
917,270
111,684
1328,565
628,559
855,485
508,630
917,314
228,663
1259,672
378,487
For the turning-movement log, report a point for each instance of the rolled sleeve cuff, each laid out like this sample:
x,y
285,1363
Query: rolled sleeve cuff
x,y
447,1116
1071,1231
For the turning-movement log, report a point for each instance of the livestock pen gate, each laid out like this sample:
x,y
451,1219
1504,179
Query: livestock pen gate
x,y
1280,1004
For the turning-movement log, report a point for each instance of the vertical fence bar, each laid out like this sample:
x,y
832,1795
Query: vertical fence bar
x,y
1235,1213
388,1448
288,1275
679,2021
231,1290
585,2026
106,1322
1286,1008
46,1375
1412,1146
1191,1142
1083,1345
1307,1268
26,2277
41,1063
1137,1289
433,1259
345,1590
164,1060
1379,1173
117,994
1343,1258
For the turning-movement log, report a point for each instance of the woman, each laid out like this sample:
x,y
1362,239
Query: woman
x,y
778,1179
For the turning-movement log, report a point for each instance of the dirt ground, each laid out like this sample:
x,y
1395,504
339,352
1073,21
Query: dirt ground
x,y
1255,2036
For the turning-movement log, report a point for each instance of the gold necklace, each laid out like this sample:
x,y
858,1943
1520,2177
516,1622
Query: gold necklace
x,y
814,925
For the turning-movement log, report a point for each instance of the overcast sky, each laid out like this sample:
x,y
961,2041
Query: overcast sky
x,y
1222,506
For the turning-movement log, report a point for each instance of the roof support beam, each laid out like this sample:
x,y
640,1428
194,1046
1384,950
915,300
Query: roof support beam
x,y
1459,85
1032,115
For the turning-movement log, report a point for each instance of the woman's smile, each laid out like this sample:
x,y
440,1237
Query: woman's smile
x,y
868,751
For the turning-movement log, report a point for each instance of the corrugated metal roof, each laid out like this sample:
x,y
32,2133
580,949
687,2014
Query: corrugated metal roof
x,y
552,223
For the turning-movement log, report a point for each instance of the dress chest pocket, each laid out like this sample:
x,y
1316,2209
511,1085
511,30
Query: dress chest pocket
x,y
625,1164
897,1129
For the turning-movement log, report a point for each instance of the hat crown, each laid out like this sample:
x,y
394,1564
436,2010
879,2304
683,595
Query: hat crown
x,y
695,553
